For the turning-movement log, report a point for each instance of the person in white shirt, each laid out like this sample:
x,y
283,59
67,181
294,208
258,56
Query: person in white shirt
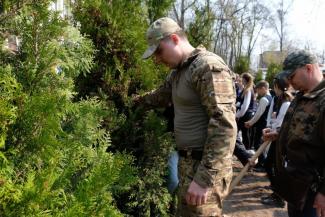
x,y
246,107
258,121
278,108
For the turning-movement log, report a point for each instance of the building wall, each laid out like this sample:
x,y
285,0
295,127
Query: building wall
x,y
268,57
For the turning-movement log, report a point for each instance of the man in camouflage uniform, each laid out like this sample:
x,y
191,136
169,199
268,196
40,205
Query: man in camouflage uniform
x,y
201,88
301,140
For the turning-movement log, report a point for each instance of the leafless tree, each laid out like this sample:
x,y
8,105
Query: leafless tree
x,y
230,28
278,21
258,18
180,8
237,24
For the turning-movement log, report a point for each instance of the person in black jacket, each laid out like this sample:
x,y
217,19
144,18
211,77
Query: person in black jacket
x,y
246,107
258,121
300,147
278,108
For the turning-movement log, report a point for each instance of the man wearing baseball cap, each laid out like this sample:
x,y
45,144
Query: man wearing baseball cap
x,y
201,88
300,162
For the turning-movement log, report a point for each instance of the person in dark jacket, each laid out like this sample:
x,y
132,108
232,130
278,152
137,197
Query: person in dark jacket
x,y
300,147
258,121
278,108
245,107
240,150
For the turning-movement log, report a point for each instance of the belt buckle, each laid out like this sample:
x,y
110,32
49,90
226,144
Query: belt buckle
x,y
188,153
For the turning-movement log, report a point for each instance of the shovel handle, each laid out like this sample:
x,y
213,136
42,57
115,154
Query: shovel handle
x,y
243,172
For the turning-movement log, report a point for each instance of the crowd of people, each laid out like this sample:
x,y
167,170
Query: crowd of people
x,y
218,114
266,111
304,135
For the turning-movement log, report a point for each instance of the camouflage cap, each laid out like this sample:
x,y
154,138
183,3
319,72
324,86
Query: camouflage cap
x,y
157,31
297,59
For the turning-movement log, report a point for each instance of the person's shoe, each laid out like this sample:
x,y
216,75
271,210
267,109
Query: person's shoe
x,y
265,196
268,187
273,200
259,169
251,152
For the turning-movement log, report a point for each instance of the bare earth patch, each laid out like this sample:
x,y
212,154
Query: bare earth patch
x,y
245,199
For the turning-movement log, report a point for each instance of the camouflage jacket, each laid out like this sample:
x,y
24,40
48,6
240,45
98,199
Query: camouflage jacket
x,y
301,141
203,94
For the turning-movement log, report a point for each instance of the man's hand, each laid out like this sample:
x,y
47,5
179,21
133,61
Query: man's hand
x,y
248,124
196,195
319,204
270,134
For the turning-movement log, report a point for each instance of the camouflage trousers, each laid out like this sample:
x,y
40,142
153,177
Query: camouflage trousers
x,y
186,170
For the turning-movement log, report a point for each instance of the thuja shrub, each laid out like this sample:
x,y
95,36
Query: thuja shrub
x,y
53,154
117,30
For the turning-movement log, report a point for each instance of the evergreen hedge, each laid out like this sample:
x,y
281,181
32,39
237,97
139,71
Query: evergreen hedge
x,y
71,141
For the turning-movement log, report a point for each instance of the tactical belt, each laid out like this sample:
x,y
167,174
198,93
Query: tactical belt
x,y
194,154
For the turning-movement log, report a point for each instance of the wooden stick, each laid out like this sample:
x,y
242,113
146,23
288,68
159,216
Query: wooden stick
x,y
243,172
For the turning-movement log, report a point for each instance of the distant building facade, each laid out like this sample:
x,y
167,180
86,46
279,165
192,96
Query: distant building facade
x,y
269,57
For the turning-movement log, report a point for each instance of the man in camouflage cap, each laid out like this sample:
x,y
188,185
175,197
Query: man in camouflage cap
x,y
297,60
201,88
301,140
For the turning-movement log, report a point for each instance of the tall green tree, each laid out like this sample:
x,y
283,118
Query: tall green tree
x,y
272,71
158,8
200,30
242,65
258,76
53,158
117,30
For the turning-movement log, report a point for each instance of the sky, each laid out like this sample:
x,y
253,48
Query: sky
x,y
305,28
306,23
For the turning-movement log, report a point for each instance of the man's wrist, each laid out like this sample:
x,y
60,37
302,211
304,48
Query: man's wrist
x,y
202,177
200,182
